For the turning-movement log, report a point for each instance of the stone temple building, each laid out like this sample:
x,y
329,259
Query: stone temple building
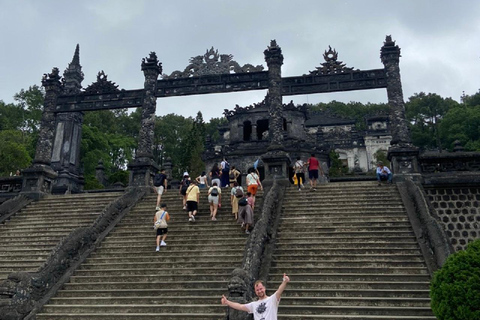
x,y
246,137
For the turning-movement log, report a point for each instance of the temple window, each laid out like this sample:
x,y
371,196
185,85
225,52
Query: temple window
x,y
247,131
262,126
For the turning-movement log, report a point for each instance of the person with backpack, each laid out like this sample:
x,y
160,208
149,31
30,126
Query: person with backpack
x,y
160,186
225,166
215,174
245,214
235,194
299,169
214,199
184,184
160,224
233,176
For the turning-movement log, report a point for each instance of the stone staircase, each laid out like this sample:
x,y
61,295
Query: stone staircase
x,y
28,237
126,279
351,254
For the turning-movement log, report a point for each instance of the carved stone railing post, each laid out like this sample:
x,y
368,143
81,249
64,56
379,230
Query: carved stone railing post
x,y
38,179
143,167
402,154
276,160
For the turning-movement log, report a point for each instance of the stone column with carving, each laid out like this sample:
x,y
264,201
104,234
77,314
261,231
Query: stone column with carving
x,y
68,135
276,160
39,177
144,167
402,154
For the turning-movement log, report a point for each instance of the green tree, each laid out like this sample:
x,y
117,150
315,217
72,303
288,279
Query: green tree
x,y
424,112
455,288
196,146
462,123
13,152
337,169
170,140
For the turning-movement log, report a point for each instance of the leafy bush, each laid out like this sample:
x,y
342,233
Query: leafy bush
x,y
119,176
455,288
91,183
337,169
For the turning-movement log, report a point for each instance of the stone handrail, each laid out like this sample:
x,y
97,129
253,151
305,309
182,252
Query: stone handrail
x,y
430,235
23,294
10,207
433,162
258,251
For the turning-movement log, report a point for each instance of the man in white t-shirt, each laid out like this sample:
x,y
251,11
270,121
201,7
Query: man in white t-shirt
x,y
265,308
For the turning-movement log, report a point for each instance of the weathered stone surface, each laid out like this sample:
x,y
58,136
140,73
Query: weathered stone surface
x,y
23,292
12,206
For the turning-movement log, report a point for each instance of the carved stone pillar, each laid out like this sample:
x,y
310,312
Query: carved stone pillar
x,y
254,132
39,177
402,154
276,159
143,167
274,59
100,173
68,135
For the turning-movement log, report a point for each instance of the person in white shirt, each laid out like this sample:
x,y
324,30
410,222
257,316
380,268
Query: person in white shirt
x,y
383,173
265,308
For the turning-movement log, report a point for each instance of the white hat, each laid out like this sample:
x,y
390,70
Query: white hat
x,y
185,173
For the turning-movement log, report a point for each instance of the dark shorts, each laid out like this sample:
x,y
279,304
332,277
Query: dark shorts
x,y
313,174
161,232
192,206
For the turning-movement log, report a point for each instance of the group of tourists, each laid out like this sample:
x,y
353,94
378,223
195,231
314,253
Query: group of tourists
x,y
312,165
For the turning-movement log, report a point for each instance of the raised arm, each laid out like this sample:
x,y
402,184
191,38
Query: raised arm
x,y
282,286
234,305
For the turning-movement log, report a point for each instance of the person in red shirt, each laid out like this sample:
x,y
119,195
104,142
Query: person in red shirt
x,y
313,169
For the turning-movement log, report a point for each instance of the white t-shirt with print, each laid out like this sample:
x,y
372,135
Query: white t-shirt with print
x,y
265,309
252,178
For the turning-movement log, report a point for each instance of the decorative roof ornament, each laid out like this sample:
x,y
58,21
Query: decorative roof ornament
x,y
52,78
73,75
263,104
212,63
331,64
102,85
152,63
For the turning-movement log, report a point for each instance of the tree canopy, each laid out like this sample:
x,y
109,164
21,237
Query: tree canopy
x,y
111,135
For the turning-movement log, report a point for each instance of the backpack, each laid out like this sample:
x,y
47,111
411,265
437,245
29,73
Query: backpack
x,y
239,193
232,175
227,166
243,202
214,192
158,180
161,223
185,184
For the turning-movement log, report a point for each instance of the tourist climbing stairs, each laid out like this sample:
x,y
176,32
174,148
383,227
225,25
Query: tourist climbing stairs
x,y
127,279
351,253
28,237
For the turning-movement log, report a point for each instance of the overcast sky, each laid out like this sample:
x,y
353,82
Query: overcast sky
x,y
439,42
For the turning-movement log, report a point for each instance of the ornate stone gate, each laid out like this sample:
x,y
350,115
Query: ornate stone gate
x,y
56,162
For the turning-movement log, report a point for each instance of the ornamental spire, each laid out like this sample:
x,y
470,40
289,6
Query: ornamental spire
x,y
73,75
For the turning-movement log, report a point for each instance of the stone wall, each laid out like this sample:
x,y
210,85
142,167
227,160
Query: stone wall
x,y
459,213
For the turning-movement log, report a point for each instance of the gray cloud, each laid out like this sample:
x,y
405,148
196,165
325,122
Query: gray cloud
x,y
439,41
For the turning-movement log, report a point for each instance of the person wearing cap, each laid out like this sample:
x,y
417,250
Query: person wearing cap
x,y
383,173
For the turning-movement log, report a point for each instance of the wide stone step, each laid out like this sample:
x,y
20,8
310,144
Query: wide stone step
x,y
305,277
304,218
378,293
355,310
198,292
311,256
139,285
279,264
293,316
153,277
173,257
187,307
343,245
295,238
147,271
346,270
123,316
336,251
357,301
344,228
223,263
327,234
134,300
